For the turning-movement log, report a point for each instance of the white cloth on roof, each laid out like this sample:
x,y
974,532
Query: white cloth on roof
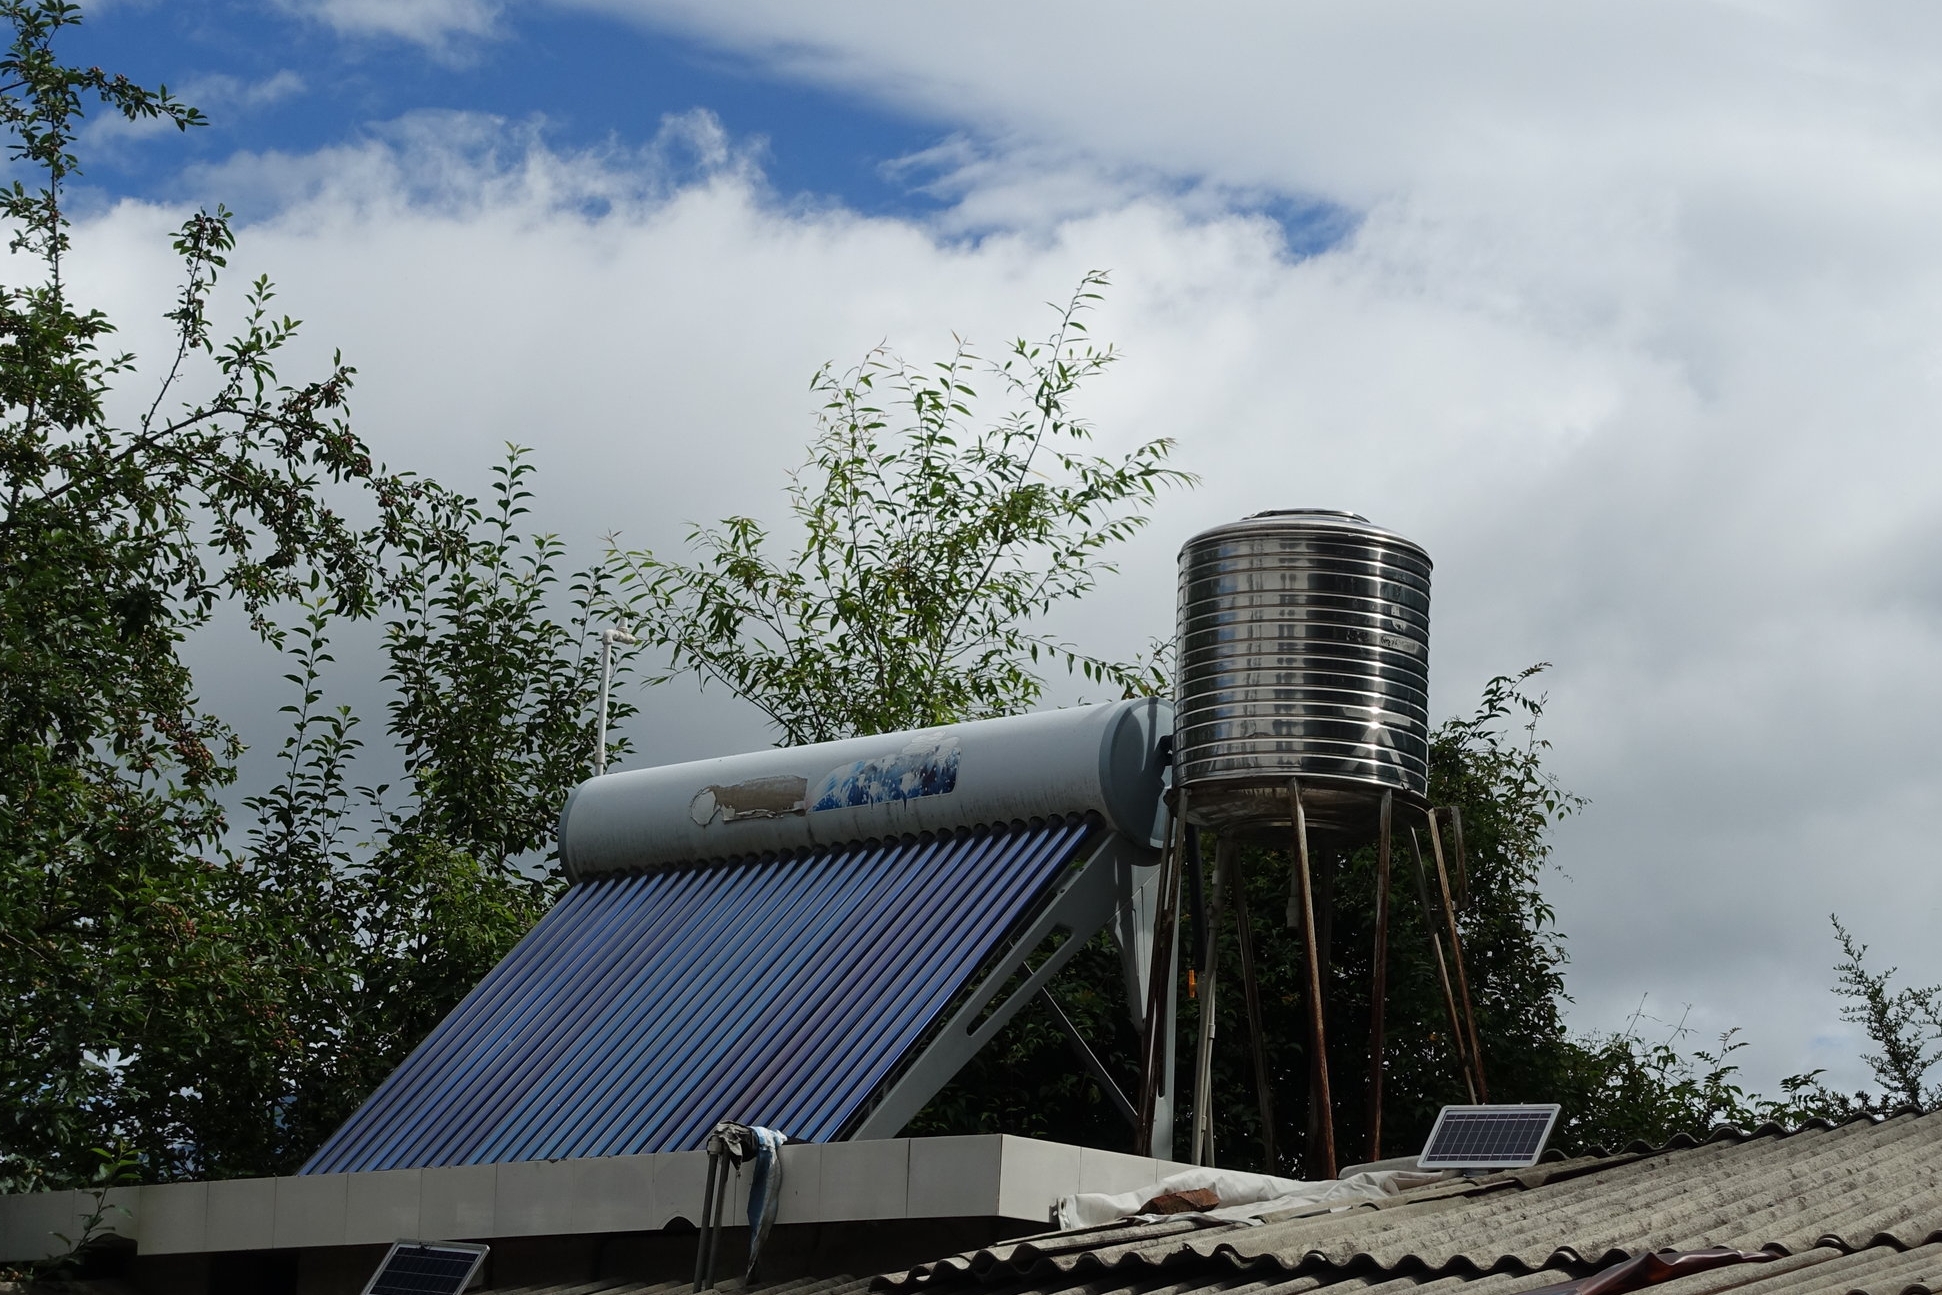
x,y
1243,1197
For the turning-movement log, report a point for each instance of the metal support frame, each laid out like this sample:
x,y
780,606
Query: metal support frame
x,y
1085,901
1251,992
1379,986
1457,1041
1456,956
1090,1060
1182,869
1207,969
1301,903
1153,1136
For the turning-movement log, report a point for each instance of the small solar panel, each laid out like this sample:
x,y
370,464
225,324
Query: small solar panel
x,y
1488,1137
426,1268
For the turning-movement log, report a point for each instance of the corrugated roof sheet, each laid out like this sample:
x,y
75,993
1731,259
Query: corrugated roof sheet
x,y
1861,1187
642,1009
1848,1210
1878,1270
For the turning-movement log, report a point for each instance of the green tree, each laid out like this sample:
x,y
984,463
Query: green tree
x,y
215,1003
382,907
1904,1024
934,539
130,1010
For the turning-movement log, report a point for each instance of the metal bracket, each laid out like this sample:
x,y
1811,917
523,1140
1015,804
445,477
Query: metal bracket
x,y
1090,1060
1086,900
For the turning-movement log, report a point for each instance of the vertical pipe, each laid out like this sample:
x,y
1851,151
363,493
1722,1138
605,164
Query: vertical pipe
x,y
1319,1100
1165,917
715,1225
1207,953
1379,982
1456,956
1457,1043
1251,992
608,637
600,721
707,1208
1166,1102
1197,900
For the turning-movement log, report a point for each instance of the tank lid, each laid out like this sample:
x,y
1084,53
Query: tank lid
x,y
1281,521
1311,512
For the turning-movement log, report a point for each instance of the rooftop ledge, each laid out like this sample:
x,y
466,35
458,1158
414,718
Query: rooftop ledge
x,y
994,1176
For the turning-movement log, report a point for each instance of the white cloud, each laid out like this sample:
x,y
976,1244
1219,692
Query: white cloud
x,y
218,95
1638,331
444,27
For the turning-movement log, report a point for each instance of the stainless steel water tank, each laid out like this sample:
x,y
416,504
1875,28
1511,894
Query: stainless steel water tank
x,y
1303,653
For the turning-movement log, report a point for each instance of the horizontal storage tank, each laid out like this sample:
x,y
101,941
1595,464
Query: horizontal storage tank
x,y
1105,759
1303,652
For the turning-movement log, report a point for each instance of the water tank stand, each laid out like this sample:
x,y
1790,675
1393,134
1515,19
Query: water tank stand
x,y
1440,900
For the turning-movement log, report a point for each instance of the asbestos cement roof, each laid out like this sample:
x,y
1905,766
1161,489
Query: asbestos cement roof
x,y
1853,1208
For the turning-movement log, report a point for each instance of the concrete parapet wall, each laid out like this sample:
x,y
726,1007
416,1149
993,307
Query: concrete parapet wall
x,y
985,1176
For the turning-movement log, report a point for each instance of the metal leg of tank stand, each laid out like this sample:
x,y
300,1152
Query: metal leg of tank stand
x,y
1457,1044
1207,955
1319,1101
1251,992
1155,1052
1456,956
1379,983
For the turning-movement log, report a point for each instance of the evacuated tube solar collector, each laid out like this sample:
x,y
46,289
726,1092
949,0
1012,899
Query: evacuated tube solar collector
x,y
1303,653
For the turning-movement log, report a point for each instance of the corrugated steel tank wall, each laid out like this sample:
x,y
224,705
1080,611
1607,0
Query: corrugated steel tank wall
x,y
1303,652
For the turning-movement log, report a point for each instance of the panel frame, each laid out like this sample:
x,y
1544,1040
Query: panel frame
x,y
1095,891
477,1251
1427,1160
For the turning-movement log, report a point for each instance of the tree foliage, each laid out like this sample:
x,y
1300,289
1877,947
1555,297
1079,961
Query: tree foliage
x,y
933,542
120,951
203,1001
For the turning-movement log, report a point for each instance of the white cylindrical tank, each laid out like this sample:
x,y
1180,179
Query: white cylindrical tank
x,y
1104,759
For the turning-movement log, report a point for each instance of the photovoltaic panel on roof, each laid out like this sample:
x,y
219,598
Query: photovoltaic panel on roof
x,y
419,1268
645,1008
1488,1137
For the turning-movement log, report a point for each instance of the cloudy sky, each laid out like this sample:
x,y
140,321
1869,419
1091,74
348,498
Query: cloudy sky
x,y
1628,313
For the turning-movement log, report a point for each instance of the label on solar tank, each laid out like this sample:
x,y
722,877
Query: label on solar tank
x,y
924,767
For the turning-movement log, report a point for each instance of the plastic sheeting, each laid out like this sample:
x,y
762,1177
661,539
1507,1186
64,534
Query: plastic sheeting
x,y
644,1009
1244,1197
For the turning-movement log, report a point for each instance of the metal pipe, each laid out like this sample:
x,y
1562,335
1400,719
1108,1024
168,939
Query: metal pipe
x,y
1202,1142
1379,980
1197,899
1165,919
608,637
715,1229
1251,992
1456,956
1090,1060
1320,1102
707,1208
1442,970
